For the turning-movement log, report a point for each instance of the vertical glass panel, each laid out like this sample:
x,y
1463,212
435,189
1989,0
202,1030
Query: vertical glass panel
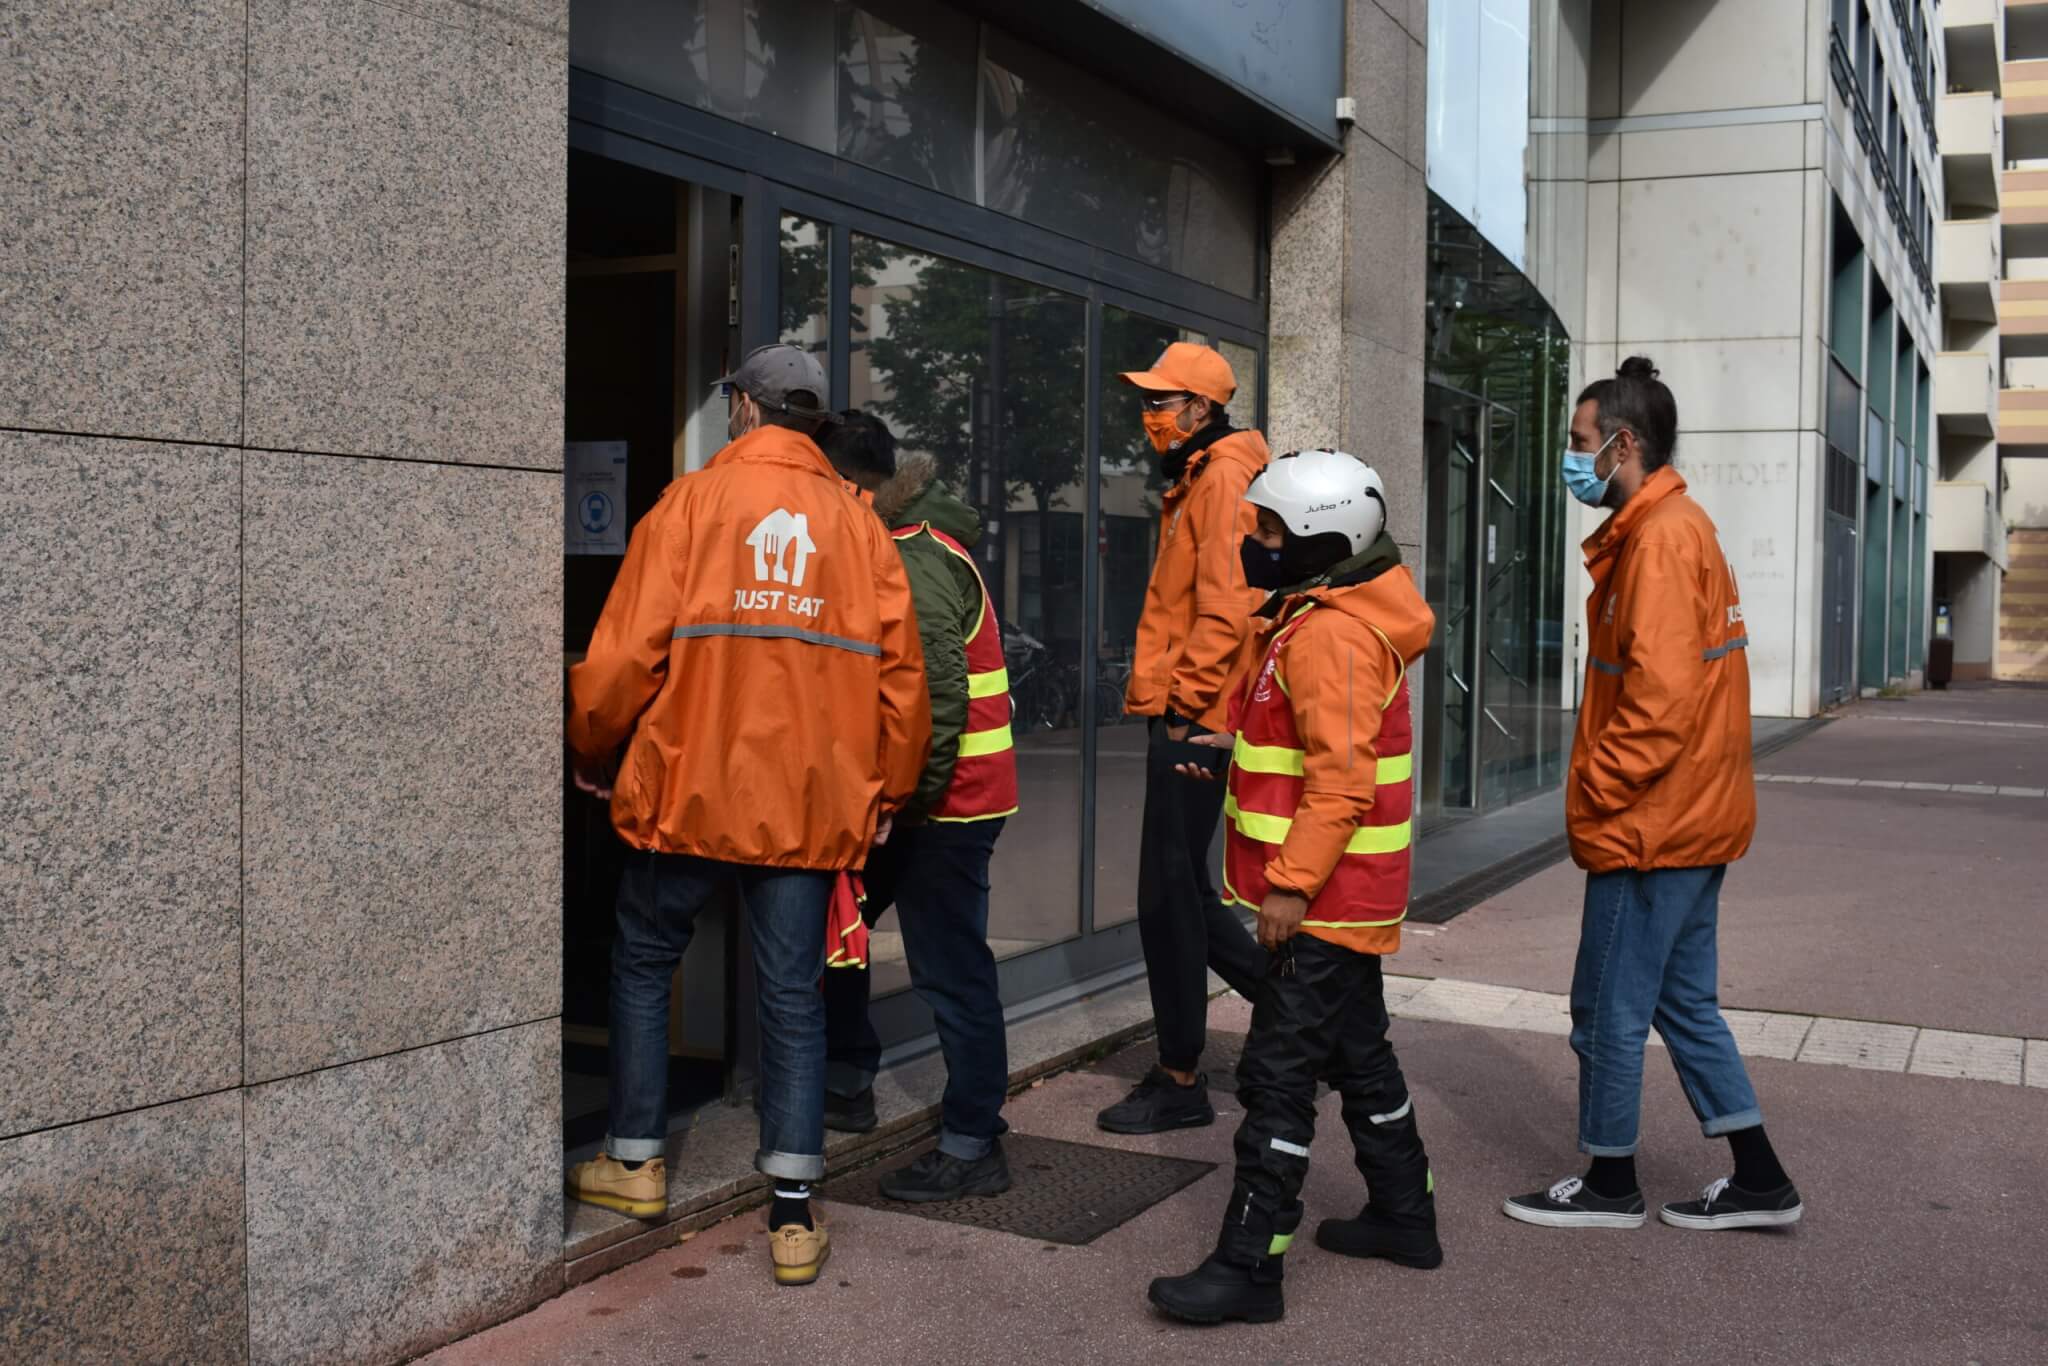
x,y
981,375
907,92
1244,363
1130,488
804,275
1069,152
1451,428
767,63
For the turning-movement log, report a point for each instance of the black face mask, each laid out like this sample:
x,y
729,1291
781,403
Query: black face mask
x,y
1263,568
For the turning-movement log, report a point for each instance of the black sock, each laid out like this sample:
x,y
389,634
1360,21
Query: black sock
x,y
1756,1164
632,1164
792,1205
1611,1178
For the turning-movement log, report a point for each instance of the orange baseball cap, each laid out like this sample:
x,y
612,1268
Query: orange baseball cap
x,y
1188,368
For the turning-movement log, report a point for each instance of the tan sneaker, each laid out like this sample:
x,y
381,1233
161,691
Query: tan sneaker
x,y
799,1253
606,1181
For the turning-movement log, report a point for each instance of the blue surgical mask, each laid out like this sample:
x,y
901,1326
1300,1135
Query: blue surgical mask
x,y
1586,486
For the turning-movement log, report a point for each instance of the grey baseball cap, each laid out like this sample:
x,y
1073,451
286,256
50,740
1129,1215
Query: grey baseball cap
x,y
771,374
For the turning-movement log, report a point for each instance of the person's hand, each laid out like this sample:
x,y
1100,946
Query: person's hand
x,y
1196,771
595,777
1280,917
883,830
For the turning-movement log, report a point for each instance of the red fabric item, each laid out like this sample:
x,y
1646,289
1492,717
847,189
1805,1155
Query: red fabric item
x,y
846,934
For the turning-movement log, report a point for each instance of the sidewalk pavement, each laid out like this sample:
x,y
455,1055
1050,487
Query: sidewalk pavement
x,y
1918,907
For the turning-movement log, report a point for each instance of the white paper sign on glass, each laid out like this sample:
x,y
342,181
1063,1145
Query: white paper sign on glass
x,y
594,495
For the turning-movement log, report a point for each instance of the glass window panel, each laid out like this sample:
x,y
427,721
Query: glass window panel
x,y
907,92
767,63
1130,487
1069,152
981,374
804,275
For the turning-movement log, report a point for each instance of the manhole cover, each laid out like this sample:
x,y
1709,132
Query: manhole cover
x,y
1060,1192
1219,1060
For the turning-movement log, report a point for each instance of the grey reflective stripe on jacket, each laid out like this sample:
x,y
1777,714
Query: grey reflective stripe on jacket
x,y
1739,643
721,628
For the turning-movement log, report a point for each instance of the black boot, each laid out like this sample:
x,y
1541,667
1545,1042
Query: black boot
x,y
1241,1278
1219,1290
1373,1235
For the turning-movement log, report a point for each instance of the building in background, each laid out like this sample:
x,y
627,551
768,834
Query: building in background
x,y
1996,580
1763,189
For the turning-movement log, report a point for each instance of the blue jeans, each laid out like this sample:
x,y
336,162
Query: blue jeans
x,y
1647,956
936,874
659,898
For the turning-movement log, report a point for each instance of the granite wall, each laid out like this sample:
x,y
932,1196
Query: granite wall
x,y
1347,365
280,456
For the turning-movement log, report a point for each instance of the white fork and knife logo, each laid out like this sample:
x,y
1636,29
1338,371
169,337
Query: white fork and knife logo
x,y
782,535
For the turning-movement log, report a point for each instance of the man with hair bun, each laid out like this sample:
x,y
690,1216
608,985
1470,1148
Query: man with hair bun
x,y
1659,801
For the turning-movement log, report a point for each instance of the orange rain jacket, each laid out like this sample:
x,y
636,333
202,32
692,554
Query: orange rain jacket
x,y
1198,609
759,658
1660,773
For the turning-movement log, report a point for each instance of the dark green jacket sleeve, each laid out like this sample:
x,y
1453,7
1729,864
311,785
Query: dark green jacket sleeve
x,y
942,608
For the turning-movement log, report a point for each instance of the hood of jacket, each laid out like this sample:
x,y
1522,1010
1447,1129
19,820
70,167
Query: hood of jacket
x,y
915,494
1376,588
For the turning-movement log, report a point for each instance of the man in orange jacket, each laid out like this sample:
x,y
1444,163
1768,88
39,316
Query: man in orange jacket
x,y
1191,634
758,659
1321,806
1659,801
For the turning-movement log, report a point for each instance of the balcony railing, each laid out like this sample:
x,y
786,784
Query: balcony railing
x,y
1902,14
1843,68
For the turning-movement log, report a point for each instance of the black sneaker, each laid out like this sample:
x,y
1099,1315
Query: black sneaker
x,y
1159,1104
940,1176
1568,1204
1727,1205
851,1114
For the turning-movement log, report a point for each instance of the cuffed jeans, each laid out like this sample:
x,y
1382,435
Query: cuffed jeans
x,y
1647,955
936,875
1183,925
660,896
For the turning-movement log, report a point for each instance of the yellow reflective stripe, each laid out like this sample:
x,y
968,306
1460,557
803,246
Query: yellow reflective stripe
x,y
993,684
976,743
1266,758
969,820
1252,758
1278,1247
1367,839
1355,924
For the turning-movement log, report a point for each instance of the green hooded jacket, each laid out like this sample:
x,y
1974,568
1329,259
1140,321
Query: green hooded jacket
x,y
947,594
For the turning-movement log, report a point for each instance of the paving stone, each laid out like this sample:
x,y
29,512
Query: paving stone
x,y
2023,791
1839,782
2037,1062
1980,1057
1859,1043
1767,1034
1795,777
1883,782
1460,1002
1540,1012
1926,787
1975,789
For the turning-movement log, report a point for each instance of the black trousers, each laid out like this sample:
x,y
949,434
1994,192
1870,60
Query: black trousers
x,y
1183,925
1326,1020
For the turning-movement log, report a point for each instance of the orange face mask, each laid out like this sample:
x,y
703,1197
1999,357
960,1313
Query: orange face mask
x,y
1164,431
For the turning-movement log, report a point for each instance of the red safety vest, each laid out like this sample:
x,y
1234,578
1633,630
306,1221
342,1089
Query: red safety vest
x,y
1362,905
984,783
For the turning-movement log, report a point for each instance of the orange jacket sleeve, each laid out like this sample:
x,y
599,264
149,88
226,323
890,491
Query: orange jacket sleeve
x,y
1663,675
1220,520
628,656
1337,685
906,704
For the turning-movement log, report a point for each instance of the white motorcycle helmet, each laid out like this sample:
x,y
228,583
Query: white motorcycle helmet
x,y
1320,493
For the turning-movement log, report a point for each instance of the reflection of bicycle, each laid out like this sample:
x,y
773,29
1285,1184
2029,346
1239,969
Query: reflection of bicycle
x,y
1112,681
1040,687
